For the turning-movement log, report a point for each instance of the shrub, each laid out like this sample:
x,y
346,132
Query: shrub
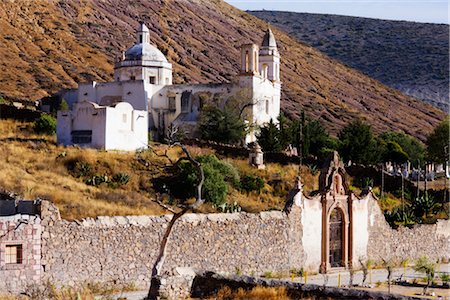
x,y
251,183
121,178
217,174
46,124
97,180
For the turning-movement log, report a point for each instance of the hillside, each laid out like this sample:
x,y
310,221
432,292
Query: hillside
x,y
33,166
408,56
49,45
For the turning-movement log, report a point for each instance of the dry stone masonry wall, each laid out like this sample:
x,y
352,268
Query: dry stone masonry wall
x,y
431,240
20,267
123,249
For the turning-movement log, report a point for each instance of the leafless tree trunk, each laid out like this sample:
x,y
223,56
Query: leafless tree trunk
x,y
389,265
153,292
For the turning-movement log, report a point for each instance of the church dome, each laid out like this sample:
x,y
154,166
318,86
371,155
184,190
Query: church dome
x,y
145,51
269,40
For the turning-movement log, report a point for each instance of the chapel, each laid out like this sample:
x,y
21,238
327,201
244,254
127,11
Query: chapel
x,y
143,102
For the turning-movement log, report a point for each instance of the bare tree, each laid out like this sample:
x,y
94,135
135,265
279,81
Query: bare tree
x,y
365,266
389,265
351,271
157,267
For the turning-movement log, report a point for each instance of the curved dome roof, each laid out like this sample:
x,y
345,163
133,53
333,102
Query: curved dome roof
x,y
269,40
145,51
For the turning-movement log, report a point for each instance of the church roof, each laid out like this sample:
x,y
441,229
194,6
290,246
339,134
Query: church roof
x,y
145,51
269,39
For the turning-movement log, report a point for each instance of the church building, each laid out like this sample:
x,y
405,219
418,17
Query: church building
x,y
143,102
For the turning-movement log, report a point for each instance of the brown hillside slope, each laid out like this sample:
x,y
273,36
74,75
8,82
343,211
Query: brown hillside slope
x,y
47,45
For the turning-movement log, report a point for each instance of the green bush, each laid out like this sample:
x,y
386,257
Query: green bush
x,y
46,124
251,183
217,174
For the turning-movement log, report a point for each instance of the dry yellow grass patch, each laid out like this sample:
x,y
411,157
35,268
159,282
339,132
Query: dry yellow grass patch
x,y
33,166
258,292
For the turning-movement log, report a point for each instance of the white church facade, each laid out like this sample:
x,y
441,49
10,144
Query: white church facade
x,y
143,102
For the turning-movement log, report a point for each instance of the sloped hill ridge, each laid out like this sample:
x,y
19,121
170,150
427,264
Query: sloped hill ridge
x,y
47,45
408,56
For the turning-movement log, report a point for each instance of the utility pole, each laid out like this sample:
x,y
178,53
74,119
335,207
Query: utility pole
x,y
418,178
382,180
403,199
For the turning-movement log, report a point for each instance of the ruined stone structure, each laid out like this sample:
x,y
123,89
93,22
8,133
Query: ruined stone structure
x,y
332,228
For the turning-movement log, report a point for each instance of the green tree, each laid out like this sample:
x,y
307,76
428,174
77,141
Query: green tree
x,y
285,131
411,146
394,153
45,124
438,142
221,126
358,144
315,138
269,138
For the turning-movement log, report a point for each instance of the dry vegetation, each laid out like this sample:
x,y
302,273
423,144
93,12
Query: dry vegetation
x,y
48,45
86,291
258,292
34,166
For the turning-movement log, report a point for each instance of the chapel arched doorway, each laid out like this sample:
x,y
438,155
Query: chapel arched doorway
x,y
336,242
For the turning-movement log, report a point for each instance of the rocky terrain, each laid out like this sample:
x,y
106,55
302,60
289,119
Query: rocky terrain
x,y
408,56
48,45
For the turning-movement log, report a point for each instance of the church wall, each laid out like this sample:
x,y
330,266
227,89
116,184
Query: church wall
x,y
64,128
125,248
126,129
360,228
311,219
216,94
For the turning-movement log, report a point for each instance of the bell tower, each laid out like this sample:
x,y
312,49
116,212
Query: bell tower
x,y
249,60
269,58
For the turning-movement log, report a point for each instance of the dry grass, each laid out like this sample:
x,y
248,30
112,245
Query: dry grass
x,y
34,166
258,292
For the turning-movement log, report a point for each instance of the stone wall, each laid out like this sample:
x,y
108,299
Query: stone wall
x,y
24,231
123,249
431,240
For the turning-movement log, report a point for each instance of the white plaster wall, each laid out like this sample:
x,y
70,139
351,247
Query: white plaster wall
x,y
64,127
87,92
312,232
126,129
360,229
136,93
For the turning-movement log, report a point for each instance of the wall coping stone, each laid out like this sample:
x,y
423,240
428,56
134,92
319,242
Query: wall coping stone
x,y
148,220
20,217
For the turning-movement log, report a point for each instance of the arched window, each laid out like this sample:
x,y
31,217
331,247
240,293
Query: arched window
x,y
247,63
265,71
